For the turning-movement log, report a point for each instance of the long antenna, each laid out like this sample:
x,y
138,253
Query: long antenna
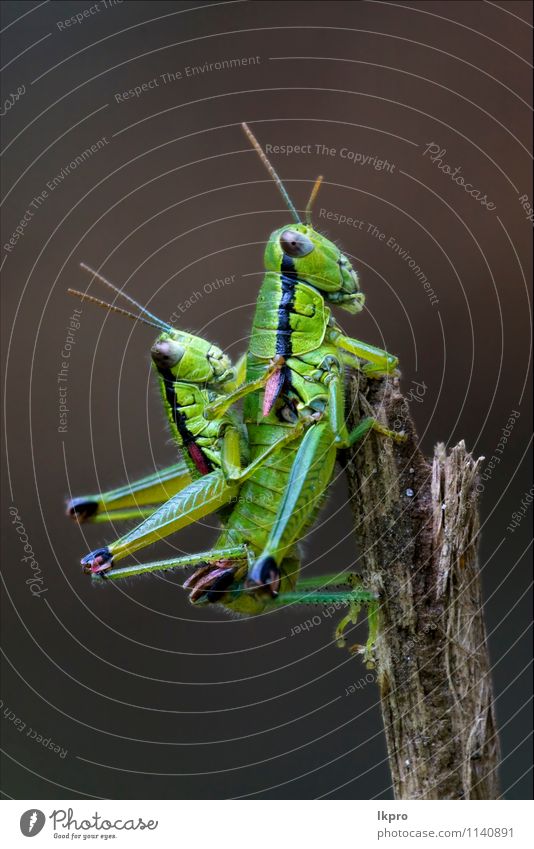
x,y
257,147
314,191
111,307
157,321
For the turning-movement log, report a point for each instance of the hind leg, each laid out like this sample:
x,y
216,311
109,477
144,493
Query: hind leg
x,y
308,480
217,570
201,498
132,500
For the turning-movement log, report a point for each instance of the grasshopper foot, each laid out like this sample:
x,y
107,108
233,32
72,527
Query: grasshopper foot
x,y
81,509
375,371
97,562
264,576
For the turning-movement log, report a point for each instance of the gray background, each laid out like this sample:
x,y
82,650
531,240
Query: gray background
x,y
152,698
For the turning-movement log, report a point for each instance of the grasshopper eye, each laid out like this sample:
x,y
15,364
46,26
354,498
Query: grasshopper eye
x,y
294,243
166,354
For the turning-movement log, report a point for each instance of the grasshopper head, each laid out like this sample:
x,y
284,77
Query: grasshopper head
x,y
188,358
191,359
314,258
317,261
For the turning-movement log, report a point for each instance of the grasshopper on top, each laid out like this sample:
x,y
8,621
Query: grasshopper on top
x,y
313,258
308,254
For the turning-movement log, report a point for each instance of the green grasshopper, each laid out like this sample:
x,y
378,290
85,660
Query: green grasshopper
x,y
295,428
192,374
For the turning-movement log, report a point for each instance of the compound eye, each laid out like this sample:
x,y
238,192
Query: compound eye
x,y
167,353
294,243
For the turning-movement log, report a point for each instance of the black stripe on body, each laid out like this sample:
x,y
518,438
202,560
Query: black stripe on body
x,y
284,345
288,277
179,419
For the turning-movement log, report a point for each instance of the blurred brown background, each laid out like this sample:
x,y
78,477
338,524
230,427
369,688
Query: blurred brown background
x,y
148,697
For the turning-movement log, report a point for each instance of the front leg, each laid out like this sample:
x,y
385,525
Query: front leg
x,y
380,363
336,406
240,370
218,408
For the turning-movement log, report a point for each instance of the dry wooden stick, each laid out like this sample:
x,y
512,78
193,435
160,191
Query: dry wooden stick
x,y
417,525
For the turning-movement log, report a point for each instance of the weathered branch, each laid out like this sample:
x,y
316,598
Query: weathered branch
x,y
417,525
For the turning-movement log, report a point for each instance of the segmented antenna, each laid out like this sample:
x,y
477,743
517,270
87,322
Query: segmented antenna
x,y
111,307
162,325
314,191
257,147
